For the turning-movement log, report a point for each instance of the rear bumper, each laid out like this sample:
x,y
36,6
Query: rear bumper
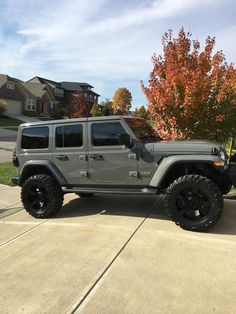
x,y
15,180
232,173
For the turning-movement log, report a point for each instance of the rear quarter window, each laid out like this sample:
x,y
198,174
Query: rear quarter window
x,y
35,138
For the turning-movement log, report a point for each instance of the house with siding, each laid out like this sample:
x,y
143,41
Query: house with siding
x,y
21,97
41,96
11,93
64,92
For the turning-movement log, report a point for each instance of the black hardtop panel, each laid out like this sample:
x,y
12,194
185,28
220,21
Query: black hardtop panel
x,y
50,122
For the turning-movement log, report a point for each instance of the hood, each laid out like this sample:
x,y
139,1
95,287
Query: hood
x,y
184,147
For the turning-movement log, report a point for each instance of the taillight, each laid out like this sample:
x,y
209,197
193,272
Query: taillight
x,y
15,160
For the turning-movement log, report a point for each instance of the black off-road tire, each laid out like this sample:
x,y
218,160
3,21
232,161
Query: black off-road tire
x,y
225,186
85,194
44,189
209,196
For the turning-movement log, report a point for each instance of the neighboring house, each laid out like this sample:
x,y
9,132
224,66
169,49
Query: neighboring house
x,y
11,93
64,92
22,97
71,88
41,96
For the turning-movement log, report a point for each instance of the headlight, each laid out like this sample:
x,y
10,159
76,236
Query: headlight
x,y
219,151
222,155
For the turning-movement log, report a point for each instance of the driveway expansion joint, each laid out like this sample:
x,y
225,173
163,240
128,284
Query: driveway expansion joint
x,y
21,234
77,307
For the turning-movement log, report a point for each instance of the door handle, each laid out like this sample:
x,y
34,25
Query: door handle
x,y
62,157
96,157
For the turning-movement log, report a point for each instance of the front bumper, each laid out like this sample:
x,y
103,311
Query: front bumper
x,y
15,180
232,173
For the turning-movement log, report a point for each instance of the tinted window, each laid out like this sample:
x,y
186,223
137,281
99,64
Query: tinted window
x,y
69,136
143,130
104,134
35,138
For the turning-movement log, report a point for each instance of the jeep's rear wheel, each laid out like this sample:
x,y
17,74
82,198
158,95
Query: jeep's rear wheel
x,y
41,196
194,202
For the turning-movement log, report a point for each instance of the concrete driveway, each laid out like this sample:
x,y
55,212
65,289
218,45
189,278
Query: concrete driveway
x,y
113,254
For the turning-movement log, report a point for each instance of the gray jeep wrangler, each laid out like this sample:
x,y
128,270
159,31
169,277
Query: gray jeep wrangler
x,y
119,155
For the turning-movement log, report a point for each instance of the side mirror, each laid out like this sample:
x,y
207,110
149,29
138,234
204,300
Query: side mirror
x,y
125,140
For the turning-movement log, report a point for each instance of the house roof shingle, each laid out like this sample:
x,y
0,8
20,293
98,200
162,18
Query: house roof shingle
x,y
6,78
46,81
36,89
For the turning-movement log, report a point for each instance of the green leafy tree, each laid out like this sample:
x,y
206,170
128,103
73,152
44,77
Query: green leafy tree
x,y
96,111
121,101
142,112
107,109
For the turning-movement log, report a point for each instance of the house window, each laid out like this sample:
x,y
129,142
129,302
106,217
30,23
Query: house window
x,y
10,86
31,105
59,92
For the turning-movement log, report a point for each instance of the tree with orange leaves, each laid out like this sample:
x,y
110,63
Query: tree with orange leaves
x,y
79,106
192,93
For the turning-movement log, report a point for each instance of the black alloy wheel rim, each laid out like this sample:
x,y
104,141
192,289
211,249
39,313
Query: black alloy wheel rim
x,y
38,197
193,203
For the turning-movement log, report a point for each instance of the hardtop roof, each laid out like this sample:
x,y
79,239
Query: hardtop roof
x,y
105,118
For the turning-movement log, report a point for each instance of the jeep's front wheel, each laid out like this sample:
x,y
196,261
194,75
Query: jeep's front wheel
x,y
194,202
41,196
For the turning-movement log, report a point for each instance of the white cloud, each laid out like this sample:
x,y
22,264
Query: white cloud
x,y
76,40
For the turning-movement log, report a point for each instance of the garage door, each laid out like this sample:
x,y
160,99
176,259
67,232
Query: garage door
x,y
13,107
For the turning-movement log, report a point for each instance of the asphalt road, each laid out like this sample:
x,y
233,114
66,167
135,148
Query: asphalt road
x,y
6,148
7,144
114,254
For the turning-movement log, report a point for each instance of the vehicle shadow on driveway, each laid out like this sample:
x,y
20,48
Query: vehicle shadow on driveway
x,y
139,206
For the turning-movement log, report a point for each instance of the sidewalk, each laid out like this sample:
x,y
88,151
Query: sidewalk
x,y
24,118
9,200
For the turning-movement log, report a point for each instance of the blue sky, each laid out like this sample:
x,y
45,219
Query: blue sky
x,y
108,44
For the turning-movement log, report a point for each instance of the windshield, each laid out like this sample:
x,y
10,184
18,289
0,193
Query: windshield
x,y
143,130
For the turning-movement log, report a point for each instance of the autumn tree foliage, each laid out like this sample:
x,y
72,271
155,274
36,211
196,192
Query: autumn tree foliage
x,y
142,112
122,101
79,106
192,93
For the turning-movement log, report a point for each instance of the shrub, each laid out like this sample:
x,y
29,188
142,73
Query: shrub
x,y
30,113
3,107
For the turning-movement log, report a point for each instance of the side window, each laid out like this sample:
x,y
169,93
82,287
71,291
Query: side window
x,y
69,136
105,134
35,138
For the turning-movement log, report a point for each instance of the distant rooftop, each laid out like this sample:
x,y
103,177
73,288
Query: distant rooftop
x,y
74,86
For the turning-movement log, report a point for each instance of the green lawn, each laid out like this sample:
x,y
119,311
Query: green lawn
x,y
7,121
7,171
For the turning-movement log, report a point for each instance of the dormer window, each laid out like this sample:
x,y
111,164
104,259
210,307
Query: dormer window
x,y
59,92
10,86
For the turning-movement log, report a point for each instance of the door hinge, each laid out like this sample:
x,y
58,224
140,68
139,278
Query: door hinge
x,y
133,174
132,156
83,173
82,157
